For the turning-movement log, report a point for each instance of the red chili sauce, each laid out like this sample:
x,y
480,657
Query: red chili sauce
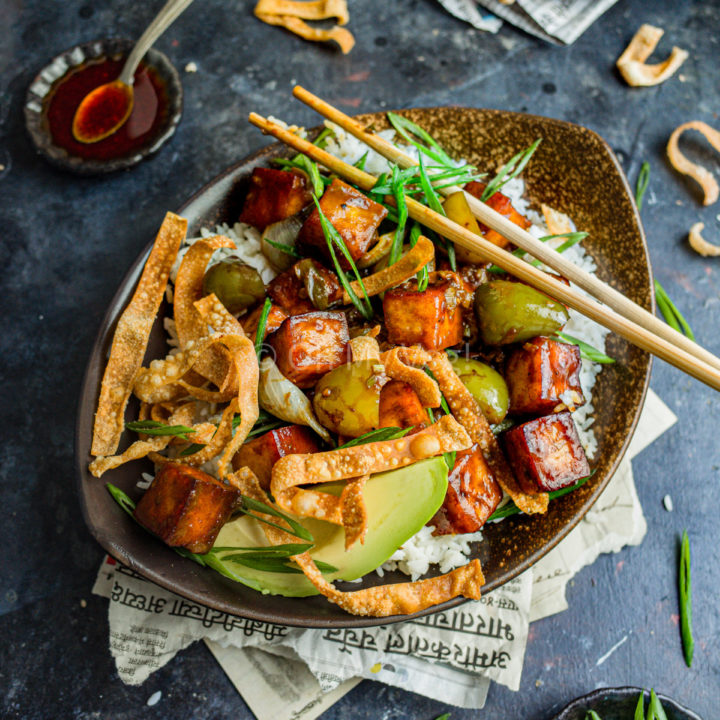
x,y
147,117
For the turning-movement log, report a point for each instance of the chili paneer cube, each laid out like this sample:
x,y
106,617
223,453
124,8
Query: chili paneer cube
x,y
400,407
308,346
186,507
546,454
261,453
274,195
354,215
275,318
543,376
432,317
501,204
288,292
472,495
305,287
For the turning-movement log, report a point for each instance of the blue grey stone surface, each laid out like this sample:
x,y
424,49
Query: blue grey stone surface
x,y
66,241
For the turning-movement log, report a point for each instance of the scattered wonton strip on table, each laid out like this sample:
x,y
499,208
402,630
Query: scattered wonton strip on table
x,y
131,336
466,409
632,64
696,172
699,244
292,16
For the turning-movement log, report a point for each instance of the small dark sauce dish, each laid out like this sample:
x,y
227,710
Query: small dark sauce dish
x,y
619,704
100,158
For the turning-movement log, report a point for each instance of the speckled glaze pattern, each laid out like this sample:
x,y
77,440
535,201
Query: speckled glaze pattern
x,y
574,171
39,89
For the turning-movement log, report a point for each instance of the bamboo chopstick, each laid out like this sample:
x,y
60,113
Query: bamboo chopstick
x,y
522,238
522,270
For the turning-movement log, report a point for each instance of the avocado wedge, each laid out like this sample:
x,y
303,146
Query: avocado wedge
x,y
398,502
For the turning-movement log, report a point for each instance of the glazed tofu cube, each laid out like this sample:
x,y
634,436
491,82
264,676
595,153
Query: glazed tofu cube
x,y
500,203
310,345
354,215
261,453
274,320
472,495
274,195
546,454
288,292
432,317
186,507
401,407
543,376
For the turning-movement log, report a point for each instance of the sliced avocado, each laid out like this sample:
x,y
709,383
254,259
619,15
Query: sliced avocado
x,y
398,502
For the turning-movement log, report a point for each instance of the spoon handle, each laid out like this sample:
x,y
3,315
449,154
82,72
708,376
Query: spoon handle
x,y
170,11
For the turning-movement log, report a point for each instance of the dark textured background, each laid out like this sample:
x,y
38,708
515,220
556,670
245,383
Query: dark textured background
x,y
66,242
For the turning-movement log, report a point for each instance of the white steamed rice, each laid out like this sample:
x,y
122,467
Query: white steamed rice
x,y
416,556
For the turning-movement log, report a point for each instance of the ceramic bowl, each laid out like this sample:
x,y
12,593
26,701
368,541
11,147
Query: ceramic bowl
x,y
40,89
619,704
574,171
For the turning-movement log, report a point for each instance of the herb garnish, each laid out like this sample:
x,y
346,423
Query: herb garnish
x,y
433,202
673,317
509,171
260,332
422,275
432,149
360,164
152,427
588,352
333,237
288,249
685,589
308,166
398,192
573,238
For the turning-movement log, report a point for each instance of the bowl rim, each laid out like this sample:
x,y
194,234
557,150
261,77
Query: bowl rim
x,y
39,88
251,160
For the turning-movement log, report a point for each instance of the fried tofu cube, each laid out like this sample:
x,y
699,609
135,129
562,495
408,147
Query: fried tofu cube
x,y
288,291
432,317
543,376
310,345
186,507
274,320
354,215
274,195
546,454
401,407
472,495
261,453
500,203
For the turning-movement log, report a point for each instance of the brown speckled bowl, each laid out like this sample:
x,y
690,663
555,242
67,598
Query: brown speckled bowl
x,y
574,171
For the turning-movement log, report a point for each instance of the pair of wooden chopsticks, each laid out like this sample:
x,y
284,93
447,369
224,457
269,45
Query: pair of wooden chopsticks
x,y
618,313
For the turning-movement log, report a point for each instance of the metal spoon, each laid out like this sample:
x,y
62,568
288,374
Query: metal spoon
x,y
106,109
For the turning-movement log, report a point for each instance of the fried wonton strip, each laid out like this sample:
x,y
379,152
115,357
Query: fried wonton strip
x,y
557,223
140,448
379,601
242,351
466,409
344,38
406,267
401,598
364,347
354,512
696,172
632,64
699,244
345,463
189,324
159,382
131,336
405,363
